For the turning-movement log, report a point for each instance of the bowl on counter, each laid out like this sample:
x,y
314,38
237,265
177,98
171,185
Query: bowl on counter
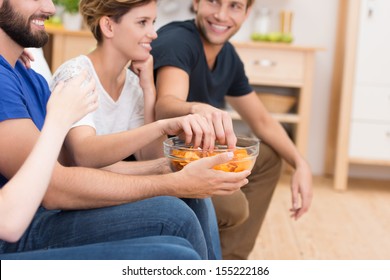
x,y
245,154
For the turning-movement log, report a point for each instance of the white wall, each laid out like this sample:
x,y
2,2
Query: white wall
x,y
314,24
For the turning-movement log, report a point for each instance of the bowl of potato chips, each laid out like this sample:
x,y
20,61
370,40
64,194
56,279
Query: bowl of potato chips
x,y
244,154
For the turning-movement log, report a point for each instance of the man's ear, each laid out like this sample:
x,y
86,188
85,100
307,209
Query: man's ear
x,y
248,11
106,27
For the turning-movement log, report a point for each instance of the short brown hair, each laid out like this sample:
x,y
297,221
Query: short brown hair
x,y
249,3
93,10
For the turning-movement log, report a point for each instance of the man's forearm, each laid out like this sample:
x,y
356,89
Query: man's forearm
x,y
149,167
171,107
85,188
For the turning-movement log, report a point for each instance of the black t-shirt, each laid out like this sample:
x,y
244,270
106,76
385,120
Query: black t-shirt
x,y
179,44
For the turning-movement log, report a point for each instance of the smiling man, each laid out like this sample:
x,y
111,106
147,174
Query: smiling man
x,y
196,70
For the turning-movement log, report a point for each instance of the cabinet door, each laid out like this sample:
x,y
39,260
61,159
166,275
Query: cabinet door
x,y
373,53
370,140
371,103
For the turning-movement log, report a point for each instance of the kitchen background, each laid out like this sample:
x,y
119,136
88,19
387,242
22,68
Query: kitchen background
x,y
314,25
352,64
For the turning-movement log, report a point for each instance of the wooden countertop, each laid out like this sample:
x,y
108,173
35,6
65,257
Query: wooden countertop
x,y
60,30
281,46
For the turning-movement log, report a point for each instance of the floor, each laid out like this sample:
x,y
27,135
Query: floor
x,y
352,225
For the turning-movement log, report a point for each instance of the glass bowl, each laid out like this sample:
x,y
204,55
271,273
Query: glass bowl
x,y
245,154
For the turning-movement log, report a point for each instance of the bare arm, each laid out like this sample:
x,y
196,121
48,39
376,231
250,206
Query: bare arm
x,y
91,150
172,100
144,70
77,187
21,196
146,167
270,131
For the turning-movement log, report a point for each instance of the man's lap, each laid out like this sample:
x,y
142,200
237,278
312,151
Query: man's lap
x,y
144,248
149,217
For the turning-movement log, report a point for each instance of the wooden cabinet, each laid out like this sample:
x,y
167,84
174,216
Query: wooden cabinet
x,y
283,65
363,135
65,44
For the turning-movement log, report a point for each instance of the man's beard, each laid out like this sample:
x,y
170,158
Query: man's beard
x,y
14,25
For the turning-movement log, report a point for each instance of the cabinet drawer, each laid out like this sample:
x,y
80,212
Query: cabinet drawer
x,y
264,66
371,103
370,140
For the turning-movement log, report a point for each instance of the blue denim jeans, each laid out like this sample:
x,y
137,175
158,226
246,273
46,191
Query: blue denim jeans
x,y
143,248
204,210
214,231
149,217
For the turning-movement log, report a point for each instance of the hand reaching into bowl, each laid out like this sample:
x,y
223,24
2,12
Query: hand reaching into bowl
x,y
193,128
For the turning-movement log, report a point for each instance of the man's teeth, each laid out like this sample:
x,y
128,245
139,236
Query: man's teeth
x,y
219,27
38,22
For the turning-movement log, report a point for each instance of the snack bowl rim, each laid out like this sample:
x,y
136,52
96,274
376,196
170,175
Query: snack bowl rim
x,y
169,146
220,149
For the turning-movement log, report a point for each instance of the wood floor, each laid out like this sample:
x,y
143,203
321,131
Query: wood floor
x,y
351,225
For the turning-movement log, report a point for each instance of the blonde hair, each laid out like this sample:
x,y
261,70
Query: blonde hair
x,y
93,10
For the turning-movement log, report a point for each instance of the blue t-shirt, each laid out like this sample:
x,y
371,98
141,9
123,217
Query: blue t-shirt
x,y
179,44
23,95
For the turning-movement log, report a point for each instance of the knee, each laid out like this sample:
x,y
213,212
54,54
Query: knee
x,y
231,210
169,215
237,214
177,211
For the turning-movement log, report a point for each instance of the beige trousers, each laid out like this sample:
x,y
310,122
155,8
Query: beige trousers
x,y
241,214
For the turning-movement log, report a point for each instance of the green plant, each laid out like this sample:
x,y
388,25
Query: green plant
x,y
70,6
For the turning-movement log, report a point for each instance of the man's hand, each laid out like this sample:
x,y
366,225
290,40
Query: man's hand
x,y
301,191
220,121
202,181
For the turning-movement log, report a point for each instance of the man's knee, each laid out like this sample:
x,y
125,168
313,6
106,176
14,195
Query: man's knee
x,y
164,214
174,210
231,210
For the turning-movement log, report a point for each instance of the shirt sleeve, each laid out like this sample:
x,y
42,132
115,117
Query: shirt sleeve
x,y
177,50
12,101
240,85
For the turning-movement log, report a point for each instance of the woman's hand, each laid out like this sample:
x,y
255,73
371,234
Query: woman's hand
x,y
26,57
144,70
193,128
72,100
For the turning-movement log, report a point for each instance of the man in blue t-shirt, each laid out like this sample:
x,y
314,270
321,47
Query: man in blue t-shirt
x,y
196,70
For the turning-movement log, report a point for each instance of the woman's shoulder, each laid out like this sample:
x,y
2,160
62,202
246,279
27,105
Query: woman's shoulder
x,y
71,68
